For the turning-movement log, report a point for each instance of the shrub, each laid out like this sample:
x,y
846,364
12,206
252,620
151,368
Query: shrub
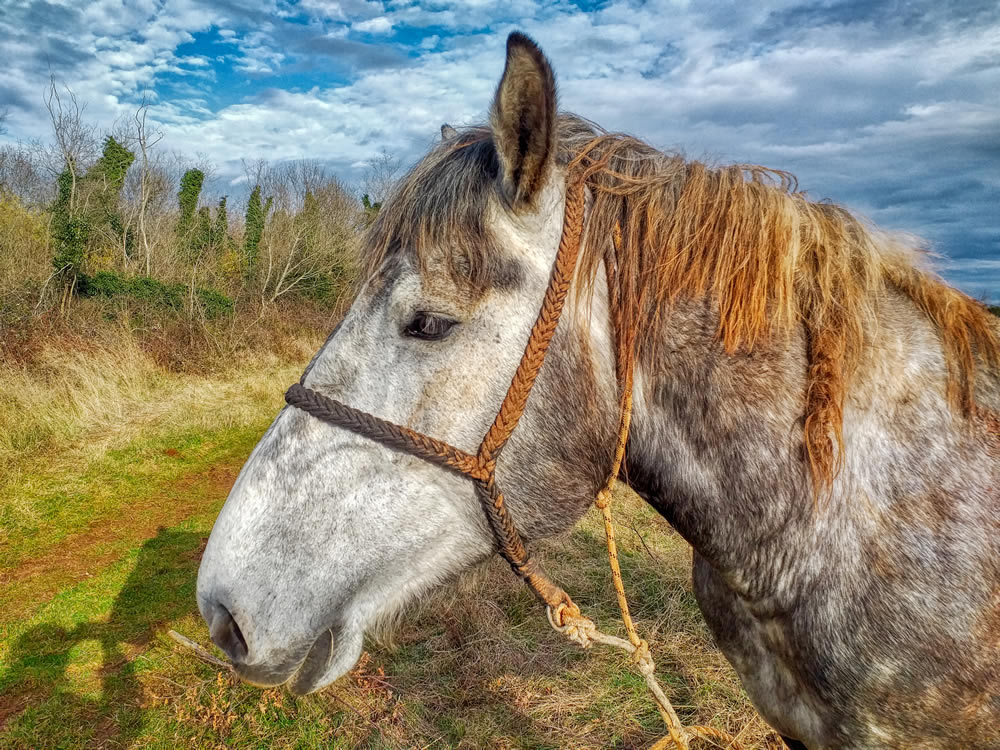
x,y
154,292
103,284
255,218
25,257
214,304
324,287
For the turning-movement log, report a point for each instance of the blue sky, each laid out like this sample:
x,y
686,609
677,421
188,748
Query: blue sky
x,y
891,108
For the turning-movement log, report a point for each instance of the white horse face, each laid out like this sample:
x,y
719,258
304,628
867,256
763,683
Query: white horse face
x,y
325,532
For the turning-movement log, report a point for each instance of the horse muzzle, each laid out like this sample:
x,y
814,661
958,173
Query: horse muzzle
x,y
302,667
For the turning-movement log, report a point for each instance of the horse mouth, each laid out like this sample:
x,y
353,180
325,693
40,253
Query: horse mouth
x,y
309,676
301,675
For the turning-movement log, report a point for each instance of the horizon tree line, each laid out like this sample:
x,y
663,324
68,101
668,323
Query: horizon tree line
x,y
104,203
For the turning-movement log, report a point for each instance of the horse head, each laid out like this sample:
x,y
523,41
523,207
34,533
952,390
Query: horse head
x,y
326,532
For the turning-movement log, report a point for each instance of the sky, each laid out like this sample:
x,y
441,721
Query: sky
x,y
889,108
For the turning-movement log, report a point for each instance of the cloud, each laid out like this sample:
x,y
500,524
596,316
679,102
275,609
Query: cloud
x,y
358,55
378,25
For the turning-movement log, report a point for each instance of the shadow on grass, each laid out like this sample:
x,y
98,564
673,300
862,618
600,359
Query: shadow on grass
x,y
478,668
41,706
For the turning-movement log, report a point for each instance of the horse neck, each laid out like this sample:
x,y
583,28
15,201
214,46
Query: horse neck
x,y
717,446
716,442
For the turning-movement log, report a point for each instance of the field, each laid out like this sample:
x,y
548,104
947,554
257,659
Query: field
x,y
113,470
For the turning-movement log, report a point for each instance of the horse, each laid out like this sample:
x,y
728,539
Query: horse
x,y
813,410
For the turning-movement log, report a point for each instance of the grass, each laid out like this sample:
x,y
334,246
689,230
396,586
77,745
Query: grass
x,y
112,483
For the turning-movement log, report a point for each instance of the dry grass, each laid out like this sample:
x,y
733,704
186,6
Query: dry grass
x,y
88,400
69,396
476,666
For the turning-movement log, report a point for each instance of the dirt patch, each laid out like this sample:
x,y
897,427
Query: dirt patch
x,y
12,705
82,555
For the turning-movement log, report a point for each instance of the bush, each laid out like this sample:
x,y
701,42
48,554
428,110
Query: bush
x,y
24,251
103,284
154,292
995,310
214,304
324,287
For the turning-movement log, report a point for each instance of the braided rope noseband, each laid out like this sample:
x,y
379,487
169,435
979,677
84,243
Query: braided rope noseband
x,y
563,614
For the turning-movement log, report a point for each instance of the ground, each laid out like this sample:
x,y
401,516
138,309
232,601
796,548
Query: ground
x,y
101,532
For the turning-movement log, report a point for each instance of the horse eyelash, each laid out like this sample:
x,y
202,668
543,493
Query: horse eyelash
x,y
429,327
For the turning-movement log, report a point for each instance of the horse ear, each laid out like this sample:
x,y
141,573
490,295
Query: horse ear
x,y
447,131
523,120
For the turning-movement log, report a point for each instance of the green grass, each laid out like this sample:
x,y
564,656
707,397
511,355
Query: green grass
x,y
112,540
117,482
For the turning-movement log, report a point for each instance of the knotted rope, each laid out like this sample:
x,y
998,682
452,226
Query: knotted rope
x,y
563,615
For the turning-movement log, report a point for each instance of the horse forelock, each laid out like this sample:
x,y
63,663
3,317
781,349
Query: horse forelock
x,y
439,211
744,236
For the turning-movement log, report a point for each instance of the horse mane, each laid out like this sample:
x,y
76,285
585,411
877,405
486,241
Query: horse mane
x,y
742,236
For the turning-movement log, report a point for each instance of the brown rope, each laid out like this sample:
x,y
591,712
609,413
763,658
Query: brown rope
x,y
545,325
388,434
482,466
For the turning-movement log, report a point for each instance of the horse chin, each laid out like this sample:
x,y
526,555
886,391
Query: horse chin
x,y
311,671
329,657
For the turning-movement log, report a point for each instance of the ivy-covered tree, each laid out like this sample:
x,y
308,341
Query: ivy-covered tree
x,y
220,231
255,218
371,209
70,229
104,181
187,199
109,171
86,208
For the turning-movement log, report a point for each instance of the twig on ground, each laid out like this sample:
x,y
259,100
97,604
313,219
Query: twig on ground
x,y
645,546
200,652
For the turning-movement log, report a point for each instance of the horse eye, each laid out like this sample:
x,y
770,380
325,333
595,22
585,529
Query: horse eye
x,y
429,327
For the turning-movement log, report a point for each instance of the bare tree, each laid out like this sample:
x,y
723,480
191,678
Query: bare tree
x,y
145,140
74,140
21,174
311,232
74,147
380,176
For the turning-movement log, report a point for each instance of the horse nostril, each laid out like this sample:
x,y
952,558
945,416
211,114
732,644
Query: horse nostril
x,y
226,635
